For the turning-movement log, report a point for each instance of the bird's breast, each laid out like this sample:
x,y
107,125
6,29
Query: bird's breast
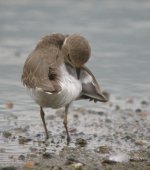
x,y
70,90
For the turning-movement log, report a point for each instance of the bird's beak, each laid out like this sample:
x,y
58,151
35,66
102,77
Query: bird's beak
x,y
78,73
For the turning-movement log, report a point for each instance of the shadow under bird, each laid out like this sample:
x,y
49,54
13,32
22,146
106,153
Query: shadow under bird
x,y
55,75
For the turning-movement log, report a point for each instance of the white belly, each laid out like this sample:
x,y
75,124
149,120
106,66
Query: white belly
x,y
71,89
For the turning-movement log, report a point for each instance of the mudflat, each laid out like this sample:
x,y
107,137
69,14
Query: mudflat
x,y
115,136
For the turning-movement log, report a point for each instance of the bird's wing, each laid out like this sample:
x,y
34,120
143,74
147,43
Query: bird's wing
x,y
41,69
90,86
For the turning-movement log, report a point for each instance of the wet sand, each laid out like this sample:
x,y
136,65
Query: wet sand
x,y
115,136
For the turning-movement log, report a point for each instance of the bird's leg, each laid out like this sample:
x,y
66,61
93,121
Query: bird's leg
x,y
65,123
43,120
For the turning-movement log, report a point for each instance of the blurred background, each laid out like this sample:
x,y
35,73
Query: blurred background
x,y
118,31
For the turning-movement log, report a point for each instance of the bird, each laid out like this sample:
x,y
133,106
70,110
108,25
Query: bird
x,y
55,74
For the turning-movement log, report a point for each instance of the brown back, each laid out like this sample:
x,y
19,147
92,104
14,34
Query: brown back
x,y
41,67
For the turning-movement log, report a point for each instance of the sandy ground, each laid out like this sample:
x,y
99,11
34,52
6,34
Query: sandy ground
x,y
115,137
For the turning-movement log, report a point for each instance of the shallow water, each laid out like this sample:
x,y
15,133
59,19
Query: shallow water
x,y
119,33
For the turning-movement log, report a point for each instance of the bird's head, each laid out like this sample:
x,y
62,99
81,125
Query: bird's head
x,y
76,51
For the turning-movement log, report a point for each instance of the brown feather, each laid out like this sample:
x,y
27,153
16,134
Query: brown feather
x,y
43,63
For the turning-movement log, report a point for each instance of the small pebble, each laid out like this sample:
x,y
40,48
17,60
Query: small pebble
x,y
11,157
94,135
138,110
21,157
32,155
24,140
72,130
6,134
55,168
70,161
80,110
22,129
103,149
76,115
29,165
78,166
143,114
9,105
9,168
60,113
32,149
50,117
108,120
108,161
117,107
137,159
2,150
101,113
144,102
128,137
38,135
130,100
81,142
47,155
141,142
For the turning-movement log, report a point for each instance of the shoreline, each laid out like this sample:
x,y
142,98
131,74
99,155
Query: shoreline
x,y
114,137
